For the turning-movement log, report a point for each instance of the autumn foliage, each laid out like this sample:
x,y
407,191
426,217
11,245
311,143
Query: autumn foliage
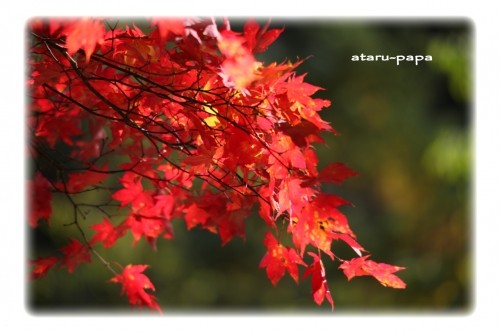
x,y
182,122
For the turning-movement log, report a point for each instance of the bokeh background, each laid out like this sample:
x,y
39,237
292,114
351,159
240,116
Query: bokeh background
x,y
406,129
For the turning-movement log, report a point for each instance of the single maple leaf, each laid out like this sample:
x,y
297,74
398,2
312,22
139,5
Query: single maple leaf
x,y
106,233
336,173
258,39
132,193
77,181
299,106
292,196
303,133
42,265
300,91
380,271
319,223
194,215
319,284
232,224
166,26
324,208
265,211
74,254
279,259
349,241
84,33
164,203
133,223
203,157
134,284
239,69
151,228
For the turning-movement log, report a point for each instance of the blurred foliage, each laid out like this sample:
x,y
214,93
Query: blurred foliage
x,y
406,129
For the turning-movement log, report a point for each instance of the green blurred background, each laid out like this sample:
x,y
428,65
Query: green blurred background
x,y
406,129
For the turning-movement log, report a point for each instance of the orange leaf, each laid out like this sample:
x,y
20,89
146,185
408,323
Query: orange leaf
x,y
380,271
238,70
318,224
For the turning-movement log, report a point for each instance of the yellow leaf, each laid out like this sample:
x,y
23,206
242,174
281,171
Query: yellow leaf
x,y
212,121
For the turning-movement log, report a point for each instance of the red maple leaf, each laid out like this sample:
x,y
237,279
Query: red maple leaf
x,y
319,284
298,93
106,233
84,33
380,271
279,259
336,173
290,155
292,196
303,133
203,157
349,241
77,181
134,285
165,203
319,223
41,203
232,224
74,254
258,39
132,193
199,128
42,265
166,26
265,211
195,214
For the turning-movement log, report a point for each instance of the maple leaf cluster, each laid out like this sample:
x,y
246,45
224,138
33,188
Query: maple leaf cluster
x,y
191,126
